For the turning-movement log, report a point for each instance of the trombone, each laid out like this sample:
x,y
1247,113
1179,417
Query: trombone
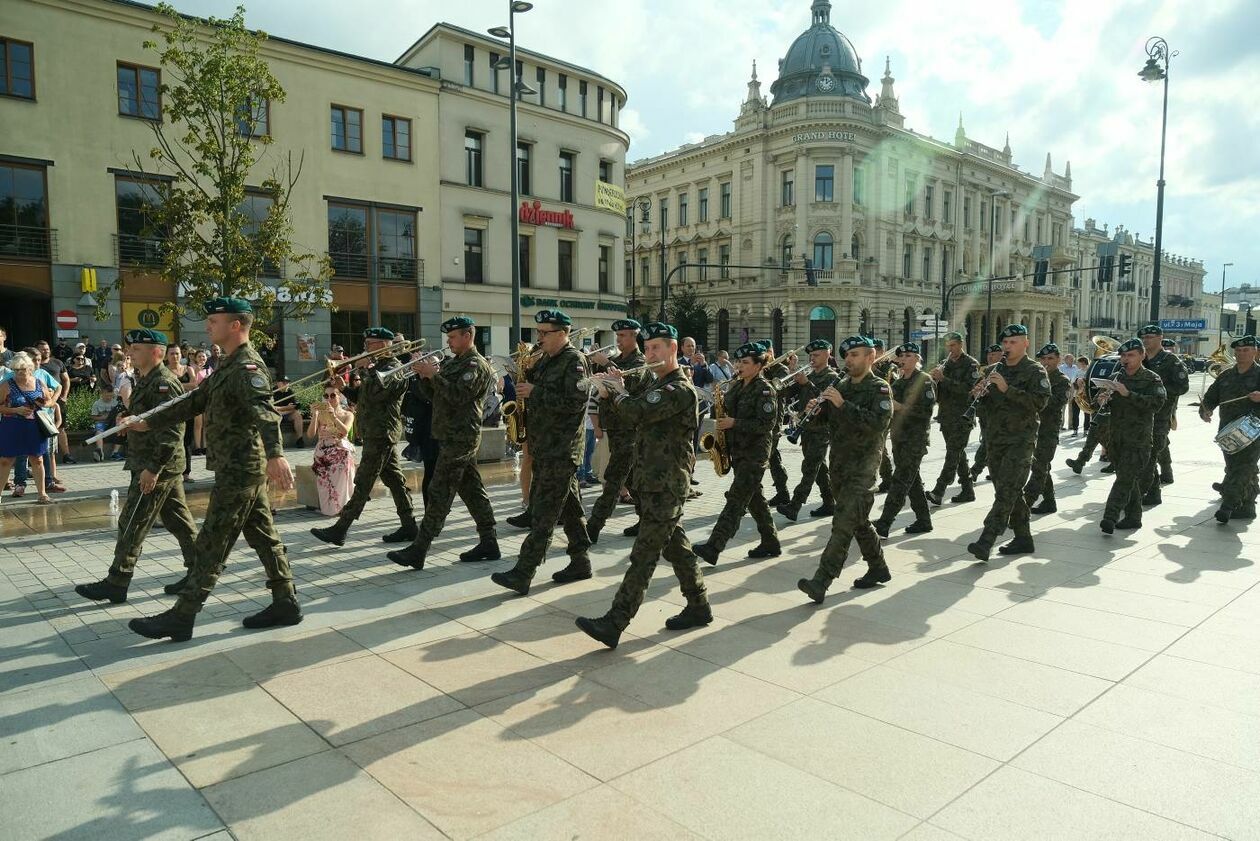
x,y
406,372
331,367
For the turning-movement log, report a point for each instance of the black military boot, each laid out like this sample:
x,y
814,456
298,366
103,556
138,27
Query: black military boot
x,y
882,527
517,582
631,531
486,550
976,470
826,510
883,486
1077,465
523,520
1110,468
1153,496
593,528
1108,526
1129,522
1244,512
781,497
602,630
936,496
766,549
919,527
403,534
788,510
283,610
1218,486
706,552
815,588
981,548
99,591
1018,546
412,556
169,623
875,574
177,587
1224,514
334,534
1165,474
579,569
966,494
694,615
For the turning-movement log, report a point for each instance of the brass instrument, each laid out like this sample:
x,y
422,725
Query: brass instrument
x,y
587,383
770,357
406,372
714,443
1104,345
781,382
332,366
514,410
1220,361
609,350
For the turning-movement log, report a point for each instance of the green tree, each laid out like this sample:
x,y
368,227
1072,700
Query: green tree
x,y
689,315
213,236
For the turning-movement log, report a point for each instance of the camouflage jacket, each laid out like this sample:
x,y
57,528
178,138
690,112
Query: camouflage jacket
x,y
915,396
1173,374
1132,416
378,410
1231,384
667,416
1014,415
458,392
755,409
609,420
816,383
883,370
859,426
953,392
556,408
241,427
775,371
1052,414
159,451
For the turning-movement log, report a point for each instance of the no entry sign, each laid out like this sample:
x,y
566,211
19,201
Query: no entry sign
x,y
67,320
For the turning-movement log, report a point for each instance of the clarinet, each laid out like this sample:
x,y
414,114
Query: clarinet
x,y
970,412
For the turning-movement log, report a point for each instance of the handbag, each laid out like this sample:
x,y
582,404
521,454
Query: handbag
x,y
46,426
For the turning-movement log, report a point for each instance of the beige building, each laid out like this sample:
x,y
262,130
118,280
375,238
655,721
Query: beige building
x,y
890,219
383,150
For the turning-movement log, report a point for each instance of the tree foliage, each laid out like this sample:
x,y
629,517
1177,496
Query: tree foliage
x,y
215,236
689,315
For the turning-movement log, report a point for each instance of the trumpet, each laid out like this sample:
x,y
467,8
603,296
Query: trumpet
x,y
331,366
574,338
970,412
587,383
406,372
781,382
794,352
608,350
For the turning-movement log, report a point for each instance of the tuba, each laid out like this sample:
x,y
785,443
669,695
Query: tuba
x,y
1104,345
714,443
1220,360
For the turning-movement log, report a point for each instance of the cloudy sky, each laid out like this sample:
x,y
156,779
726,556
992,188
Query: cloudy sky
x,y
1059,75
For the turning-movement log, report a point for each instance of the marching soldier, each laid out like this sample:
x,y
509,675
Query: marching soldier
x,y
1018,389
954,379
914,398
750,409
1165,458
620,433
554,425
1099,435
1135,400
457,388
666,417
1040,485
1176,383
378,418
815,437
242,431
857,410
774,371
156,463
1240,384
993,355
883,370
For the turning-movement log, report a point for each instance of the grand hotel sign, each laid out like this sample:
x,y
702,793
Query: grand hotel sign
x,y
824,136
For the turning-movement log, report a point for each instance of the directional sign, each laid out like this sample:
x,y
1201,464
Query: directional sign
x,y
1183,324
920,335
943,326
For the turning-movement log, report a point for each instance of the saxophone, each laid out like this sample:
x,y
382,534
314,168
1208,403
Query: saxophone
x,y
714,443
514,410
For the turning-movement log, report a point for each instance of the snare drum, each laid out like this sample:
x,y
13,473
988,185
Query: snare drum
x,y
1239,434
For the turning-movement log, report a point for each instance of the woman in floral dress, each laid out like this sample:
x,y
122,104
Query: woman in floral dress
x,y
334,454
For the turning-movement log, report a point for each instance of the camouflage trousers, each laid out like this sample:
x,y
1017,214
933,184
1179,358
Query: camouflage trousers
x,y
1010,461
553,498
854,496
659,535
1099,433
616,474
956,436
777,472
744,495
455,473
1040,485
1240,484
379,458
982,452
1159,450
139,512
906,482
813,470
885,466
1130,459
237,505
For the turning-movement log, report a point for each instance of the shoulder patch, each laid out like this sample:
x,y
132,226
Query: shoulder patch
x,y
883,389
257,381
885,405
162,389
654,397
768,407
975,374
250,366
468,375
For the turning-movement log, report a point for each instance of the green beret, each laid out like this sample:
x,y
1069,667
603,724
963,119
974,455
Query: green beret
x,y
556,317
818,344
659,330
146,337
382,333
1244,341
908,347
1132,344
1151,330
1048,350
751,350
953,336
626,324
766,345
1012,330
879,344
1168,343
993,349
459,322
854,342
228,305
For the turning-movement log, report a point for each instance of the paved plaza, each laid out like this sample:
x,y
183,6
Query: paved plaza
x,y
1105,687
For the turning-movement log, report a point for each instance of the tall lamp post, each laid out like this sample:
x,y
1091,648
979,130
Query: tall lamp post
x,y
1158,59
1220,333
517,90
988,316
644,207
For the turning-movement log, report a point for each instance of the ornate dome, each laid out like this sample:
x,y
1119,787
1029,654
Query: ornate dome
x,y
820,62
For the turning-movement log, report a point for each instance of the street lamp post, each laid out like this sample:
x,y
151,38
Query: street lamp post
x,y
517,90
644,207
1220,332
988,316
1159,57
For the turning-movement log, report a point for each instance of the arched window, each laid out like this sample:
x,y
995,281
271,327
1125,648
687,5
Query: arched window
x,y
785,252
824,247
776,330
855,248
724,329
822,324
864,323
907,323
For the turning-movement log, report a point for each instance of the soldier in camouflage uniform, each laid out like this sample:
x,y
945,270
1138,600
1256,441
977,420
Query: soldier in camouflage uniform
x,y
749,409
1165,457
1136,399
1040,485
666,415
554,426
1176,383
243,449
1238,490
1099,435
378,419
156,463
773,372
457,388
883,369
858,410
993,355
954,379
620,433
815,437
1018,390
914,398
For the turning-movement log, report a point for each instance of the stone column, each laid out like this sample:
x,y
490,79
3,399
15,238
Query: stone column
x,y
845,245
804,194
874,195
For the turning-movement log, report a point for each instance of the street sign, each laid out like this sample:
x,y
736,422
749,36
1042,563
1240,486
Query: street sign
x,y
920,335
943,326
67,319
1183,325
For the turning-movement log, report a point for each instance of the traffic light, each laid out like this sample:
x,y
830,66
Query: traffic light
x,y
811,277
1126,265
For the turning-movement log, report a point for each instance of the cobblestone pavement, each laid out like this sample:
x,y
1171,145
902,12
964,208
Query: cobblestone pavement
x,y
1101,687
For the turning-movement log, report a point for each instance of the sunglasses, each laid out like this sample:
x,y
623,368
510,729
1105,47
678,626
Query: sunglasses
x,y
332,395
